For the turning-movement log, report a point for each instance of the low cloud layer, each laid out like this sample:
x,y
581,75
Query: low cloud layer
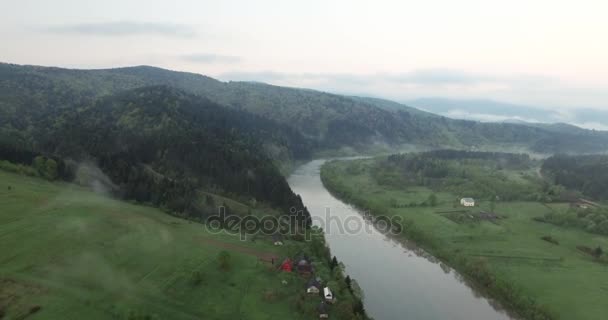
x,y
493,111
124,28
545,99
210,58
544,91
416,77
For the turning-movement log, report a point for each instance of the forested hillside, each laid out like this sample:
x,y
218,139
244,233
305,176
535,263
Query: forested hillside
x,y
156,144
328,121
482,175
587,174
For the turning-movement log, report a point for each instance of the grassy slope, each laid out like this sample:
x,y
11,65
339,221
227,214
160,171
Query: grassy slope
x,y
569,283
81,255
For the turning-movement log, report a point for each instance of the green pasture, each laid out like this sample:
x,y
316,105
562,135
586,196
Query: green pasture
x,y
572,284
68,253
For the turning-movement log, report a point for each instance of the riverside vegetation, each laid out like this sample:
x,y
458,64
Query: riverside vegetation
x,y
504,245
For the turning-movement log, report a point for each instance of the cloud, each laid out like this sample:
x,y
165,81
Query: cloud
x,y
210,58
124,28
422,77
485,117
532,89
440,77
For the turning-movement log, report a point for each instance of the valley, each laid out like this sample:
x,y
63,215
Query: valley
x,y
534,268
279,160
123,168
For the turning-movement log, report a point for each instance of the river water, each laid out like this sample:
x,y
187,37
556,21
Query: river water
x,y
398,282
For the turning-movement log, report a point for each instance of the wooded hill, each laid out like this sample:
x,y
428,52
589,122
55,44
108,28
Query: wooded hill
x,y
157,144
587,174
161,135
328,121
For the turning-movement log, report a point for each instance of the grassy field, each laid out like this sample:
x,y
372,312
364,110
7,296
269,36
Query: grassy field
x,y
68,253
560,278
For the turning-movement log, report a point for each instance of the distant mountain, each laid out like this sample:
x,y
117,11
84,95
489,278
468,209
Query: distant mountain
x,y
493,111
322,120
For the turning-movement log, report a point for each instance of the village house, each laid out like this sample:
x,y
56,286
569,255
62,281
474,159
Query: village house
x,y
329,297
287,265
467,202
277,239
313,286
322,309
304,267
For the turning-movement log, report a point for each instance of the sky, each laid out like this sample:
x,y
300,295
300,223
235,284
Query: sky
x,y
548,53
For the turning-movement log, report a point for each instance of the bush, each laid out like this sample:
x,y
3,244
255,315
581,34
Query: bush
x,y
197,278
597,252
18,168
550,239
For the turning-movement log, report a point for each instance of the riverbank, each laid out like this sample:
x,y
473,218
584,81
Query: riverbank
x,y
508,261
399,282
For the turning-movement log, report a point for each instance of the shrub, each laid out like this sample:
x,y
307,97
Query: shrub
x,y
550,239
597,252
197,278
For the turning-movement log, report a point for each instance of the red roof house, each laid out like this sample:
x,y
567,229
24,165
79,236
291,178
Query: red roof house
x,y
287,265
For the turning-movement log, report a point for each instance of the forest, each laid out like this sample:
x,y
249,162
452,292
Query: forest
x,y
585,173
483,175
327,121
160,135
157,145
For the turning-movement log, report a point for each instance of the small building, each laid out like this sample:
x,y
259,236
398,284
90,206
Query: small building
x,y
286,266
304,267
322,309
313,286
277,239
467,202
329,297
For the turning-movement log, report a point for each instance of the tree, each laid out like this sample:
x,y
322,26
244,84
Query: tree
x,y
598,252
333,263
50,169
39,164
432,200
348,282
345,310
197,278
209,201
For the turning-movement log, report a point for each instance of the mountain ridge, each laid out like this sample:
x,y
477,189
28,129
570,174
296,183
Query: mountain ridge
x,y
329,121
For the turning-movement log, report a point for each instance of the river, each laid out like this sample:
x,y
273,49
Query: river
x,y
398,282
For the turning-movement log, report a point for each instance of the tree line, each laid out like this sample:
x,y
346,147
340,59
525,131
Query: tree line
x,y
585,173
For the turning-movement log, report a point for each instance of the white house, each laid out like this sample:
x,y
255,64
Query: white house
x,y
467,202
329,297
313,286
277,239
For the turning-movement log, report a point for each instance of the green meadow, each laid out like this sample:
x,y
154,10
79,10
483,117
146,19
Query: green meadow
x,y
68,253
536,278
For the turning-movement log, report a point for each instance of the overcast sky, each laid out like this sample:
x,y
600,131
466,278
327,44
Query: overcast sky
x,y
550,53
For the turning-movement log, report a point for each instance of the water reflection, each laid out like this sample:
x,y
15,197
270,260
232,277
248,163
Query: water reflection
x,y
400,280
